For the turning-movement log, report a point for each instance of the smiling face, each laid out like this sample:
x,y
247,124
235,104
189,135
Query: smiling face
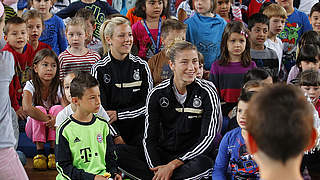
x,y
242,114
259,34
17,36
276,25
154,8
46,69
315,21
121,41
185,66
34,28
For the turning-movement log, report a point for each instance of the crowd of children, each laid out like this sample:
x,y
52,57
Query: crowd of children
x,y
172,90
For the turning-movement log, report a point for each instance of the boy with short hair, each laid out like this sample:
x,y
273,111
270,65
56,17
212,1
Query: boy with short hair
x,y
277,17
93,41
88,155
263,56
279,134
171,29
315,17
296,24
16,36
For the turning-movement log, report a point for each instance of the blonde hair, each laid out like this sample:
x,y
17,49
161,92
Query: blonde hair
x,y
75,21
107,30
177,46
275,10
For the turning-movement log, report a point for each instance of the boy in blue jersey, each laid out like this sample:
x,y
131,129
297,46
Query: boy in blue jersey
x,y
84,146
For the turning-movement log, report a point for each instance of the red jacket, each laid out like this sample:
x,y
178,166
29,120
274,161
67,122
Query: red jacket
x,y
22,66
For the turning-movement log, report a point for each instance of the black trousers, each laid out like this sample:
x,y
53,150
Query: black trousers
x,y
132,160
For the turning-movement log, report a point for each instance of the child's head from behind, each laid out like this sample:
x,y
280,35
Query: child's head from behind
x,y
258,26
45,70
277,17
309,37
116,35
76,32
223,8
90,22
85,92
150,8
35,24
276,131
309,81
15,33
258,74
43,6
205,7
315,17
172,29
308,57
235,42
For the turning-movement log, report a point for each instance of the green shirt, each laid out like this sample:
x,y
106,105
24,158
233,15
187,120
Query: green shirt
x,y
84,149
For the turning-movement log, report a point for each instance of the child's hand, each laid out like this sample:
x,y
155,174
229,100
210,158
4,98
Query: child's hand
x,y
100,177
117,177
21,114
51,122
112,115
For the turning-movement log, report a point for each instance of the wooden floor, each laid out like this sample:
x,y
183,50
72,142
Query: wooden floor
x,y
39,175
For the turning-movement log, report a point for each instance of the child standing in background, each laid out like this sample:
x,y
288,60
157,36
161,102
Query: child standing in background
x,y
235,61
54,32
277,17
205,30
35,26
147,32
77,57
16,36
92,41
41,99
315,17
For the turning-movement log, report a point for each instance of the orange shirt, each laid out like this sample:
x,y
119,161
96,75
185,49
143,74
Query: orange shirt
x,y
132,18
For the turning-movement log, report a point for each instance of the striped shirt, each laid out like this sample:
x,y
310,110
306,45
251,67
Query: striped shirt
x,y
69,62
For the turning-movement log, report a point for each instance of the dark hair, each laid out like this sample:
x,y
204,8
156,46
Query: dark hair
x,y
13,20
315,7
280,131
37,83
234,27
171,24
86,14
140,10
191,3
259,74
264,6
308,53
309,37
257,18
82,81
245,95
309,78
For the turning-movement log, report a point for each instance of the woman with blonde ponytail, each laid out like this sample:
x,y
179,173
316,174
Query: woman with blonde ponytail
x,y
124,79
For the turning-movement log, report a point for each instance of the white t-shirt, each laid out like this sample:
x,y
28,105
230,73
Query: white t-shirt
x,y
67,111
306,5
277,47
29,87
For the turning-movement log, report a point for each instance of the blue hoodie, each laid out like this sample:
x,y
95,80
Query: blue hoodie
x,y
206,33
